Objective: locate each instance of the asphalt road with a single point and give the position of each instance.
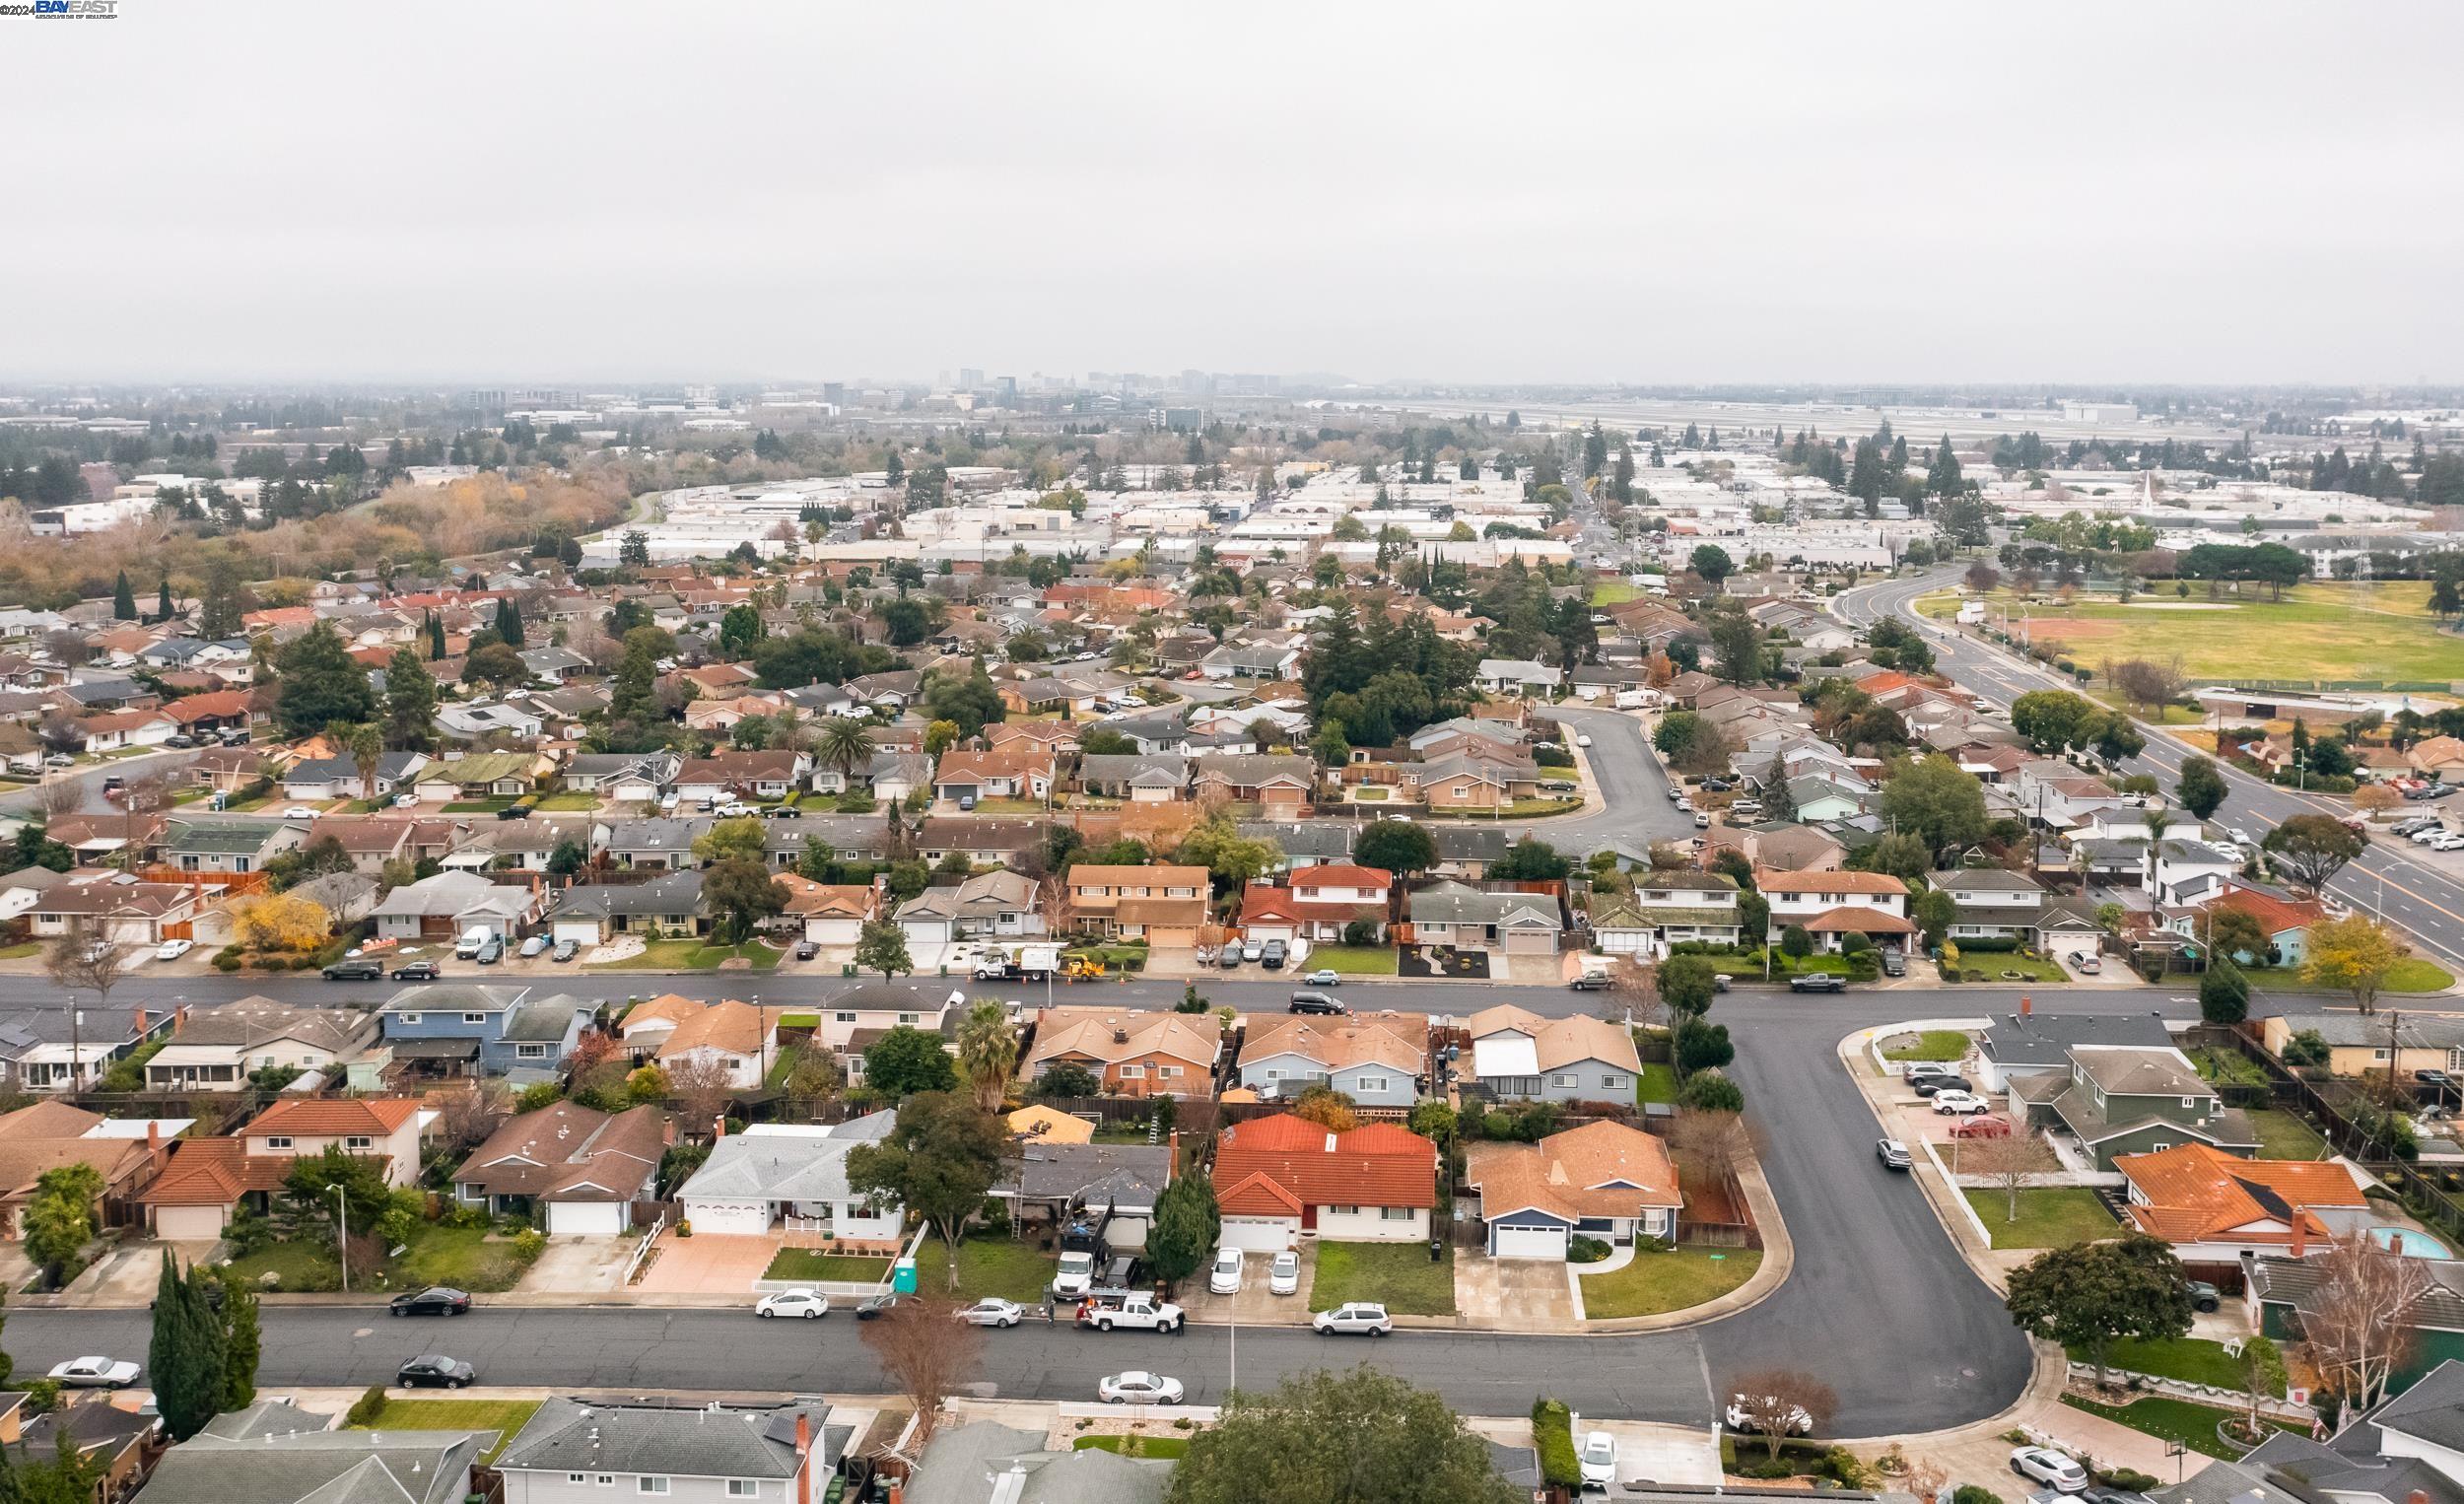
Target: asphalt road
(1633, 789)
(2392, 879)
(20, 802)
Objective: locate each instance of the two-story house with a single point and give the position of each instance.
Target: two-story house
(1665, 908)
(2128, 1099)
(496, 1028)
(1519, 1056)
(1165, 904)
(1378, 1060)
(1831, 905)
(2178, 870)
(586, 1452)
(1998, 905)
(1129, 1053)
(218, 1046)
(208, 1180)
(1321, 903)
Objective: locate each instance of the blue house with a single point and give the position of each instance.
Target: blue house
(457, 1028)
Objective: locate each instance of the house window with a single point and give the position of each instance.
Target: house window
(909, 1018)
(1133, 1073)
(1373, 1083)
(410, 1018)
(474, 1018)
(1613, 1081)
(1343, 1211)
(358, 1142)
(530, 1052)
(647, 1484)
(577, 1478)
(1394, 1213)
(743, 1488)
(844, 1018)
(1562, 1078)
(279, 1141)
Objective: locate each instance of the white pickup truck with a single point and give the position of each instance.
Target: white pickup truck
(1136, 1311)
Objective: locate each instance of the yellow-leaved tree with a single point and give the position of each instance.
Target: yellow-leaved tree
(283, 922)
(2353, 954)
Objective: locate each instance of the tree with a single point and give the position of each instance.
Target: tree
(1395, 846)
(509, 622)
(909, 1060)
(1531, 860)
(244, 1343)
(495, 663)
(2051, 719)
(84, 960)
(1326, 1107)
(1185, 1227)
(2201, 787)
(2357, 1321)
(1934, 798)
(185, 1363)
(743, 839)
(2005, 1164)
(410, 722)
(1363, 1437)
(940, 1161)
(123, 599)
(59, 1218)
(282, 924)
(1687, 984)
(634, 696)
(741, 895)
(1068, 1079)
(2224, 993)
(924, 1349)
(1711, 1091)
(633, 550)
(845, 745)
(881, 946)
(1228, 856)
(2313, 849)
(704, 1086)
(2090, 1293)
(1738, 643)
(1702, 1046)
(2353, 954)
(1712, 563)
(2233, 932)
(2376, 798)
(1900, 854)
(321, 683)
(1773, 1398)
(988, 1052)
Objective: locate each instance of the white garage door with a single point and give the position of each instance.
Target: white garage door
(1530, 942)
(176, 1224)
(747, 1219)
(579, 931)
(585, 1219)
(1528, 1242)
(1259, 1235)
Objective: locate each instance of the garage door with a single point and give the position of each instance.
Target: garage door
(1530, 942)
(196, 1224)
(748, 1218)
(579, 931)
(1259, 1235)
(585, 1219)
(1528, 1242)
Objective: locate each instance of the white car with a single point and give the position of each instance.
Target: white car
(992, 1311)
(1283, 1276)
(94, 1373)
(812, 1305)
(2447, 842)
(2048, 1466)
(1225, 1278)
(1799, 1423)
(1582, 741)
(173, 950)
(735, 809)
(2427, 834)
(1138, 1387)
(1960, 1104)
(299, 812)
(1361, 1319)
(1323, 978)
(406, 801)
(535, 945)
(1599, 1458)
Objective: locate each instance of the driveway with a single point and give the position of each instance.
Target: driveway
(1515, 1294)
(1253, 1305)
(585, 1265)
(709, 1264)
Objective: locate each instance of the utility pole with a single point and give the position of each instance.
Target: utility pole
(342, 1237)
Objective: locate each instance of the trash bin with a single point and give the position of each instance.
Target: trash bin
(902, 1276)
(1437, 1250)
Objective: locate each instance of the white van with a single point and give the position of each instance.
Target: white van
(472, 940)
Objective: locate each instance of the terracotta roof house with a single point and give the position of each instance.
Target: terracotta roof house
(1602, 1180)
(829, 914)
(763, 775)
(735, 1036)
(54, 1135)
(210, 1179)
(1321, 903)
(1280, 1177)
(1519, 1056)
(2212, 1205)
(1829, 905)
(1017, 771)
(1378, 1060)
(1132, 1054)
(1165, 904)
(573, 1169)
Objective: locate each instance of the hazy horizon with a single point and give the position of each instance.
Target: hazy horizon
(618, 193)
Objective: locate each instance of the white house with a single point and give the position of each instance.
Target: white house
(1278, 1179)
(1829, 905)
(791, 1174)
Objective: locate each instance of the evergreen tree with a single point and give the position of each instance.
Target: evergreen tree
(222, 603)
(1187, 1223)
(244, 1343)
(410, 703)
(321, 683)
(635, 695)
(186, 1360)
(436, 636)
(509, 622)
(164, 610)
(123, 599)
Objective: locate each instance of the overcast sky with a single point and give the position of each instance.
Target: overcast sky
(704, 190)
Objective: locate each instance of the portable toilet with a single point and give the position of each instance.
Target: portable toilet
(902, 1276)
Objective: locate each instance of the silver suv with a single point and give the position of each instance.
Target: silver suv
(1359, 1319)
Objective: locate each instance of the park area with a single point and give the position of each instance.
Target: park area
(2381, 630)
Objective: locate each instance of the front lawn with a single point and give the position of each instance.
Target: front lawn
(464, 1258)
(1353, 960)
(1134, 1446)
(506, 1417)
(1942, 1045)
(1750, 965)
(295, 1265)
(486, 806)
(20, 953)
(1995, 963)
(2048, 1217)
(2191, 1359)
(694, 956)
(2193, 1425)
(1657, 1083)
(1654, 1284)
(989, 1265)
(568, 799)
(1398, 1275)
(808, 1264)
(2412, 975)
(2283, 1136)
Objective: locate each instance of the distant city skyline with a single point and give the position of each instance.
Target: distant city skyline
(575, 194)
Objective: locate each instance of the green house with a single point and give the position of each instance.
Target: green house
(2132, 1100)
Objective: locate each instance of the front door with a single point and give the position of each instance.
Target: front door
(1309, 1219)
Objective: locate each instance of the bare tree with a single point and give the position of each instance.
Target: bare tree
(2357, 1319)
(467, 1117)
(926, 1351)
(1780, 1402)
(1709, 1146)
(60, 796)
(85, 960)
(1634, 994)
(146, 793)
(703, 1084)
(2005, 1163)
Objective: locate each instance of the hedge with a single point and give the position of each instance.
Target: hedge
(1552, 1436)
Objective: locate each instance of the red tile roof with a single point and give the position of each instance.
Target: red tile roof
(325, 1117)
(1274, 1166)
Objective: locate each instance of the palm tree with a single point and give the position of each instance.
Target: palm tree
(987, 1051)
(845, 744)
(366, 742)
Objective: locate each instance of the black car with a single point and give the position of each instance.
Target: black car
(1315, 1002)
(514, 812)
(806, 950)
(436, 1300)
(783, 812)
(2099, 1494)
(355, 970)
(435, 1370)
(1926, 1087)
(873, 1305)
(416, 970)
(2435, 1080)
(1817, 981)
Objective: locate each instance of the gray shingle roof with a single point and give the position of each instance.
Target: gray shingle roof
(570, 1436)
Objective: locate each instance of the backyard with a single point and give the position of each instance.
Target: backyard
(2282, 1136)
(1651, 1284)
(2317, 632)
(2048, 1218)
(1657, 1083)
(1353, 960)
(809, 1264)
(1398, 1275)
(506, 1417)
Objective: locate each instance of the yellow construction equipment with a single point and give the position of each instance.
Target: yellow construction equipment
(1082, 968)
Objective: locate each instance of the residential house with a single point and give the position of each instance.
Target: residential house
(498, 1028)
(1519, 677)
(1281, 1177)
(1519, 1056)
(988, 840)
(2214, 1208)
(116, 1444)
(1129, 1053)
(111, 905)
(1056, 1181)
(2118, 1099)
(623, 777)
(1995, 905)
(338, 777)
(2178, 868)
(1274, 780)
(478, 776)
(275, 1453)
(228, 844)
(218, 1046)
(2361, 1046)
(1666, 907)
(53, 1136)
(986, 1462)
(776, 1175)
(667, 904)
(2283, 1294)
(1321, 902)
(2027, 1041)
(1165, 904)
(1012, 774)
(574, 1170)
(1602, 1180)
(208, 1180)
(854, 1019)
(451, 904)
(511, 719)
(729, 1036)
(988, 905)
(1833, 904)
(1511, 921)
(585, 1450)
(1142, 778)
(829, 914)
(1378, 1060)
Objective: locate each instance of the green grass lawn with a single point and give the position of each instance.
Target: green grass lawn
(461, 1257)
(1615, 592)
(2282, 1136)
(297, 1266)
(1943, 1044)
(1993, 963)
(1372, 792)
(1653, 1285)
(1781, 965)
(1398, 1275)
(486, 806)
(2413, 974)
(2048, 1217)
(1012, 1269)
(812, 1263)
(1657, 1083)
(694, 956)
(2191, 1359)
(1352, 960)
(570, 799)
(20, 953)
(2193, 1425)
(2314, 633)
(506, 1417)
(1134, 1446)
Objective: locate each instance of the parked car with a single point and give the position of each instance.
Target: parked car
(491, 953)
(1224, 1278)
(992, 1311)
(1719, 983)
(1598, 1457)
(416, 970)
(1582, 741)
(1745, 807)
(565, 950)
(2088, 966)
(1917, 1071)
(173, 950)
(1818, 982)
(1892, 1153)
(94, 1373)
(2048, 1466)
(436, 1300)
(1702, 821)
(2103, 1496)
(806, 950)
(966, 802)
(1252, 950)
(1986, 1127)
(1590, 982)
(1795, 1421)
(1272, 957)
(514, 812)
(1927, 1086)
(1361, 1318)
(435, 1371)
(2436, 1080)
(1893, 963)
(873, 1305)
(812, 1305)
(1960, 1104)
(355, 970)
(406, 801)
(1229, 958)
(299, 812)
(1315, 1002)
(1137, 1386)
(1323, 978)
(535, 947)
(1283, 1276)
(2204, 1296)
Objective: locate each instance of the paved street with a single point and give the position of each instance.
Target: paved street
(1632, 785)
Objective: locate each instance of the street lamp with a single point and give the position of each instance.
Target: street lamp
(342, 1236)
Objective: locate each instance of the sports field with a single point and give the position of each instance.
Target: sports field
(2384, 632)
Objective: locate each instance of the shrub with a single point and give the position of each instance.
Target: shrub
(42, 1394)
(367, 1407)
(1969, 1493)
(1841, 1467)
(1855, 943)
(529, 1244)
(1583, 1249)
(225, 960)
(2128, 1478)
(1648, 1243)
(1552, 1436)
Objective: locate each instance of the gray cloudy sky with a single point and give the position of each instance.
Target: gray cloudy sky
(704, 190)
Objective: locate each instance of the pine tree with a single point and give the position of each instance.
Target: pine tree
(436, 636)
(123, 601)
(163, 608)
(186, 1360)
(509, 622)
(244, 1342)
(410, 702)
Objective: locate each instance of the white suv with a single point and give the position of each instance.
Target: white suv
(1961, 1103)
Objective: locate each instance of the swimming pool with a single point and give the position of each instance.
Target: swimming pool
(2408, 1241)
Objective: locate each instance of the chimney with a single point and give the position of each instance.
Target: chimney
(154, 1138)
(803, 1459)
(1120, 1035)
(718, 1126)
(2027, 1005)
(2301, 1233)
(142, 1021)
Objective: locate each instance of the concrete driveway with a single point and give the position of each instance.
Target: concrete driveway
(585, 1266)
(709, 1264)
(1253, 1305)
(1513, 1294)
